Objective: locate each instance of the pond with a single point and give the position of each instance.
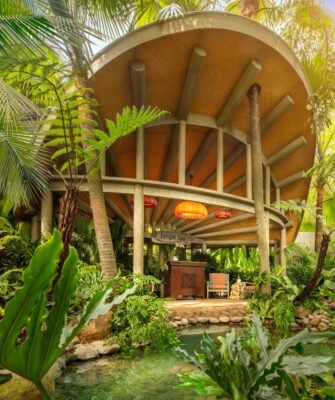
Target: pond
(153, 376)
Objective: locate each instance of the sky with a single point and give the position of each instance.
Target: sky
(330, 5)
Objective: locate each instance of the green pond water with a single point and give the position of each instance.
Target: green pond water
(152, 376)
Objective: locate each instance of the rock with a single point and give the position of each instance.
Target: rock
(85, 352)
(202, 320)
(224, 319)
(173, 324)
(301, 312)
(325, 320)
(314, 321)
(314, 329)
(177, 318)
(299, 321)
(96, 329)
(322, 327)
(236, 319)
(294, 326)
(104, 349)
(332, 306)
(306, 320)
(192, 321)
(184, 321)
(213, 320)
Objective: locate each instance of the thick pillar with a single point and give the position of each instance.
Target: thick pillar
(103, 164)
(140, 153)
(46, 214)
(249, 172)
(204, 248)
(219, 161)
(35, 230)
(138, 261)
(181, 153)
(257, 183)
(276, 260)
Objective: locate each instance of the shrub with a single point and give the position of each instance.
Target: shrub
(15, 252)
(141, 321)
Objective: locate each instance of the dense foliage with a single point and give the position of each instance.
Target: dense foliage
(243, 369)
(141, 321)
(34, 332)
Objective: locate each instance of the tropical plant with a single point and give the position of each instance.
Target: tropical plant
(15, 252)
(33, 334)
(141, 322)
(239, 371)
(10, 281)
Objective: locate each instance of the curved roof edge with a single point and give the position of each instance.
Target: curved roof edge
(200, 20)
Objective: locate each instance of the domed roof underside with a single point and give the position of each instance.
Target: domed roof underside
(199, 68)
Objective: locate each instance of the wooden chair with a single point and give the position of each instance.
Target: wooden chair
(218, 283)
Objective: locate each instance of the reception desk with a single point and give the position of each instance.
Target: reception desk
(185, 279)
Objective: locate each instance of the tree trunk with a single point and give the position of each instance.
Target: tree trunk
(68, 208)
(249, 8)
(101, 226)
(317, 274)
(319, 214)
(257, 184)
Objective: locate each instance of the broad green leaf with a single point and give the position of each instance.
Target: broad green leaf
(5, 378)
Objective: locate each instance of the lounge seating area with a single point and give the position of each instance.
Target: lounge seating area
(218, 284)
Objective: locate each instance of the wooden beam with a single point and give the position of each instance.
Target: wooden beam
(284, 104)
(265, 124)
(181, 152)
(239, 92)
(233, 220)
(191, 82)
(291, 179)
(286, 150)
(118, 211)
(137, 74)
(234, 243)
(236, 231)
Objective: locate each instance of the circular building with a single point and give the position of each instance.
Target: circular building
(199, 68)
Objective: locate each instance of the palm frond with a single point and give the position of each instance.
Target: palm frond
(22, 161)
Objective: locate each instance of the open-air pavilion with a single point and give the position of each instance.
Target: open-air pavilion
(199, 68)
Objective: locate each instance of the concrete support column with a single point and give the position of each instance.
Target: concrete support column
(249, 172)
(282, 248)
(46, 214)
(276, 260)
(219, 161)
(138, 261)
(170, 253)
(35, 232)
(204, 248)
(181, 153)
(140, 153)
(267, 186)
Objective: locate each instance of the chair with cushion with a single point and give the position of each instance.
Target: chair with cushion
(218, 283)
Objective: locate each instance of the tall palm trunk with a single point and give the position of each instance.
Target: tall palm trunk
(317, 274)
(320, 187)
(257, 184)
(249, 8)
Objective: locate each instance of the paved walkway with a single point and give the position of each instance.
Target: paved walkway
(203, 303)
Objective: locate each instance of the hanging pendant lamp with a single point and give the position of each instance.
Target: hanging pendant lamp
(222, 213)
(149, 201)
(190, 210)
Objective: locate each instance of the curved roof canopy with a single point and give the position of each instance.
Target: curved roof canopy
(199, 68)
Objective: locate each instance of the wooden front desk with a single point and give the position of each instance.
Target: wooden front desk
(185, 279)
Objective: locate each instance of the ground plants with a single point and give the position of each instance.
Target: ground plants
(34, 331)
(240, 371)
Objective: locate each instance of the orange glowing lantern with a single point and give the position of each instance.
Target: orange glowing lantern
(149, 201)
(222, 213)
(190, 210)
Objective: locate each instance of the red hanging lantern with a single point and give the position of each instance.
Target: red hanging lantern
(222, 213)
(190, 210)
(149, 201)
